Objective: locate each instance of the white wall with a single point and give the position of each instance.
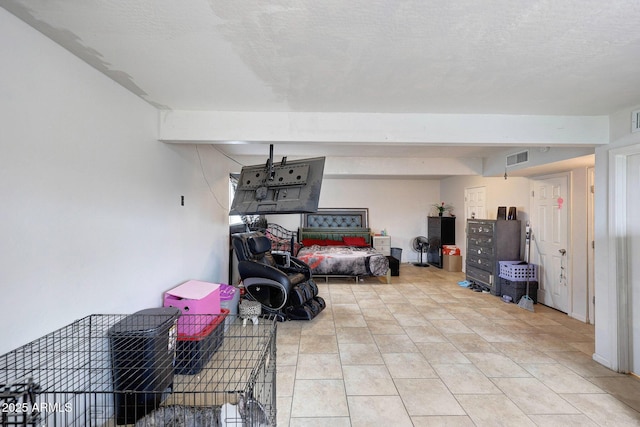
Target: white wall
(90, 217)
(400, 206)
(500, 192)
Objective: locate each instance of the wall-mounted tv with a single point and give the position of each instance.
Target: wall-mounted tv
(286, 187)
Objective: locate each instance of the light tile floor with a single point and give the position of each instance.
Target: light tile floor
(423, 351)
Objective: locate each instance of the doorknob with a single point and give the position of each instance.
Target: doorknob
(562, 251)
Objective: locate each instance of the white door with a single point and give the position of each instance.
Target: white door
(549, 228)
(633, 235)
(475, 202)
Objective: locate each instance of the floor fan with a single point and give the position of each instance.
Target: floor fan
(420, 244)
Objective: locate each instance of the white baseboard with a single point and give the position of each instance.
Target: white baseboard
(605, 362)
(580, 317)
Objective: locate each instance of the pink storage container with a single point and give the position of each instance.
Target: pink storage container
(193, 297)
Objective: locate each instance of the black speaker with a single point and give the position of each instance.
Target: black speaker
(502, 212)
(512, 213)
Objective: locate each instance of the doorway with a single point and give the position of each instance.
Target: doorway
(633, 249)
(475, 199)
(624, 243)
(550, 236)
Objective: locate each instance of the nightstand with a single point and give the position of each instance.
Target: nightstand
(382, 244)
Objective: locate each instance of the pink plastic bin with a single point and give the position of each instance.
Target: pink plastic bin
(193, 297)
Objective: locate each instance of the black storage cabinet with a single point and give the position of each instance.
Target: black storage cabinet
(441, 230)
(142, 347)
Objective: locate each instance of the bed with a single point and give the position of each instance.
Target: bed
(337, 243)
(282, 240)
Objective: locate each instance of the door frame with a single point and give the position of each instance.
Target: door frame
(619, 257)
(568, 203)
(591, 238)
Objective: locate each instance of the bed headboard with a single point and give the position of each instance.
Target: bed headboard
(337, 218)
(334, 224)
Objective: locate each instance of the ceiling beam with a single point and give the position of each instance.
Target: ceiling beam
(375, 128)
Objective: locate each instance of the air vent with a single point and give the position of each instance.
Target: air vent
(518, 158)
(635, 121)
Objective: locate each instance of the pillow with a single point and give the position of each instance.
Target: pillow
(355, 241)
(334, 242)
(311, 242)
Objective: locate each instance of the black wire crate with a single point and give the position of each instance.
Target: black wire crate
(151, 368)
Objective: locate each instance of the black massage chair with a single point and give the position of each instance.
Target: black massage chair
(281, 283)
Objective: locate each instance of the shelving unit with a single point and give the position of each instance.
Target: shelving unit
(441, 230)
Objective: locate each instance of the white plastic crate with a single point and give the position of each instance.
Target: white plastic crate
(518, 271)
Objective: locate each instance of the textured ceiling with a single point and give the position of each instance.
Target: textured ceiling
(545, 57)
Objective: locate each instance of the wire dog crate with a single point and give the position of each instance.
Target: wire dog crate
(124, 370)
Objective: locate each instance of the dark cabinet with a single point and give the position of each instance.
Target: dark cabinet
(441, 230)
(488, 242)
